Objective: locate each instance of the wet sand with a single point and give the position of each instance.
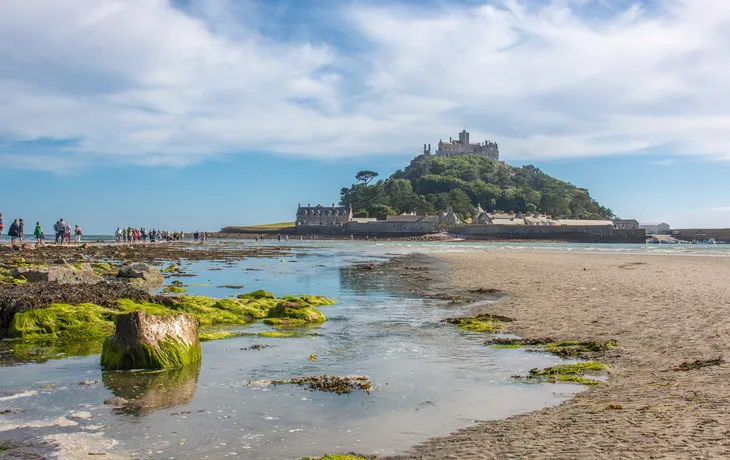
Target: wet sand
(662, 310)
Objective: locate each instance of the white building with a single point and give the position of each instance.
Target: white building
(655, 228)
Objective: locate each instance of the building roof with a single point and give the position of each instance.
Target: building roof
(585, 223)
(412, 218)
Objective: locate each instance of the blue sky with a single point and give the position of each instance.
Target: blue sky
(204, 113)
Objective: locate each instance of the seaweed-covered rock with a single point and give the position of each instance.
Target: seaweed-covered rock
(141, 274)
(145, 341)
(20, 298)
(60, 273)
(260, 294)
(287, 313)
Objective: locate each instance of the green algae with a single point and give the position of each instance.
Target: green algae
(169, 353)
(277, 335)
(566, 349)
(82, 322)
(174, 289)
(68, 330)
(217, 335)
(260, 294)
(570, 373)
(172, 268)
(481, 323)
(287, 313)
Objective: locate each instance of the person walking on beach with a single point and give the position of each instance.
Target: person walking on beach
(38, 233)
(118, 234)
(21, 231)
(60, 229)
(14, 232)
(67, 233)
(78, 233)
(2, 227)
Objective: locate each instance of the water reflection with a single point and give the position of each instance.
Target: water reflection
(144, 392)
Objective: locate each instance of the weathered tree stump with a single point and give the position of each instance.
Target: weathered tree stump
(144, 341)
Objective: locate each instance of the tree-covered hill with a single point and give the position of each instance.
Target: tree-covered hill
(430, 184)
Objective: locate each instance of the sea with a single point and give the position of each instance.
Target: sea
(429, 378)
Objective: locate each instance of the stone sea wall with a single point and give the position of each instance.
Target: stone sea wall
(383, 229)
(577, 234)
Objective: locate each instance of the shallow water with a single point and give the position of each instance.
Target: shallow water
(432, 378)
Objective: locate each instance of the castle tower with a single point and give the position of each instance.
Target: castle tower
(464, 138)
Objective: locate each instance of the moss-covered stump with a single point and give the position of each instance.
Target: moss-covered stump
(288, 313)
(145, 341)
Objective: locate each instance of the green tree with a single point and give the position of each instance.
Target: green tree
(366, 176)
(381, 211)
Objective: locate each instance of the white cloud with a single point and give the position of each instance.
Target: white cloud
(143, 82)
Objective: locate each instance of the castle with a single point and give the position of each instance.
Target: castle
(455, 148)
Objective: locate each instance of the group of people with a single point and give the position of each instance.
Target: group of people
(142, 235)
(63, 232)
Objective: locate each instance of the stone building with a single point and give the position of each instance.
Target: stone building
(454, 148)
(323, 216)
(625, 223)
(449, 217)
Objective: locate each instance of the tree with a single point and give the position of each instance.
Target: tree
(381, 211)
(366, 176)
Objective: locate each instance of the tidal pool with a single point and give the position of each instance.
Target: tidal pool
(431, 378)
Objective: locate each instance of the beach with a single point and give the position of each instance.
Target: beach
(662, 310)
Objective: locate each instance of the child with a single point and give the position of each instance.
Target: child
(38, 232)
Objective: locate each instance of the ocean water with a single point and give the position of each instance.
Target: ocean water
(431, 378)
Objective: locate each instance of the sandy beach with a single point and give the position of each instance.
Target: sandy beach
(662, 310)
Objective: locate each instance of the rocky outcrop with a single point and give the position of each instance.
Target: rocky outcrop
(61, 273)
(18, 298)
(145, 341)
(142, 275)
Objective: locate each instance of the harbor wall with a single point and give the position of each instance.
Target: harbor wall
(386, 229)
(571, 234)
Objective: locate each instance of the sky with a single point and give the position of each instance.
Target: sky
(195, 114)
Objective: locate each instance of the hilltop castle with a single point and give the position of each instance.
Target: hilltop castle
(455, 148)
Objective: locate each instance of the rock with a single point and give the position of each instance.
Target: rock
(293, 314)
(60, 261)
(144, 341)
(115, 401)
(17, 272)
(64, 274)
(142, 274)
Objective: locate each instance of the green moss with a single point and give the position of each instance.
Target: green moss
(260, 294)
(309, 300)
(480, 323)
(287, 313)
(60, 329)
(217, 335)
(172, 268)
(567, 349)
(168, 353)
(277, 335)
(174, 289)
(573, 373)
(83, 322)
